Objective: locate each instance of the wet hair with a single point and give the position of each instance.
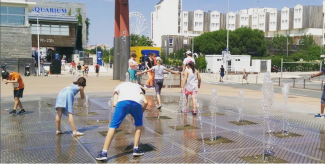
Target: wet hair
(191, 64)
(143, 91)
(221, 66)
(134, 55)
(150, 54)
(189, 54)
(5, 75)
(80, 82)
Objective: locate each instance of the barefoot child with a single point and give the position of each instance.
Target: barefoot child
(129, 99)
(64, 104)
(18, 85)
(159, 77)
(191, 83)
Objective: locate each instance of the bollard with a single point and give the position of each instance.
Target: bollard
(304, 83)
(256, 79)
(279, 82)
(294, 81)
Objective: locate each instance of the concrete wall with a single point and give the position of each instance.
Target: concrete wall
(18, 64)
(15, 42)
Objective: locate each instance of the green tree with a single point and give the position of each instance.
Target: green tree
(201, 63)
(279, 42)
(137, 40)
(241, 41)
(87, 22)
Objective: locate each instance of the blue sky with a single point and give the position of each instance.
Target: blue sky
(101, 12)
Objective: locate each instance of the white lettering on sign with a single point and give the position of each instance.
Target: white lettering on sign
(49, 11)
(46, 40)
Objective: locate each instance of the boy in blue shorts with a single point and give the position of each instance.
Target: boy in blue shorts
(321, 114)
(129, 98)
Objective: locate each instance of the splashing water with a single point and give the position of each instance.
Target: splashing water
(86, 103)
(127, 77)
(285, 123)
(240, 107)
(267, 102)
(213, 108)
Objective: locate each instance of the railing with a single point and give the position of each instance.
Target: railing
(302, 83)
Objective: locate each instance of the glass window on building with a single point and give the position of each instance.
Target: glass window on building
(171, 41)
(46, 29)
(14, 16)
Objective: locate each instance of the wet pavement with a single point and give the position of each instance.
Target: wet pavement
(31, 138)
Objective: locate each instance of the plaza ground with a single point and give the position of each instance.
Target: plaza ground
(31, 137)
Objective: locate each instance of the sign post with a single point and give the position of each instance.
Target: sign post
(99, 58)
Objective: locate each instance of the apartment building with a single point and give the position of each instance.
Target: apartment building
(166, 20)
(295, 22)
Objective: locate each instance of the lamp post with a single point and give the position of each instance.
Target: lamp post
(38, 52)
(227, 41)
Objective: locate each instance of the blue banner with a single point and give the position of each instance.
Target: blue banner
(99, 58)
(56, 56)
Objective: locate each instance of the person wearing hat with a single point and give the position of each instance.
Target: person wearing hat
(187, 60)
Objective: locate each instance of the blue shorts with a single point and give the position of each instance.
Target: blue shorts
(127, 107)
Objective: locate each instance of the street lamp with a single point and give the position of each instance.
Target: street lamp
(227, 41)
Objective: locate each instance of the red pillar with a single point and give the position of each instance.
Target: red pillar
(121, 40)
(124, 18)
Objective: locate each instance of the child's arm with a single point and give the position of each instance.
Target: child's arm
(171, 71)
(145, 102)
(115, 98)
(184, 80)
(144, 72)
(317, 74)
(10, 81)
(199, 78)
(82, 93)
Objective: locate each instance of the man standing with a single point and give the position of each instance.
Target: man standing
(18, 85)
(79, 68)
(97, 67)
(129, 99)
(187, 60)
(321, 114)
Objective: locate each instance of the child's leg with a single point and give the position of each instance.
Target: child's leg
(322, 108)
(20, 105)
(136, 113)
(158, 99)
(16, 103)
(109, 138)
(71, 121)
(120, 112)
(137, 136)
(194, 101)
(186, 99)
(58, 119)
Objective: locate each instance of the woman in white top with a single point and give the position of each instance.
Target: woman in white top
(133, 66)
(159, 77)
(191, 84)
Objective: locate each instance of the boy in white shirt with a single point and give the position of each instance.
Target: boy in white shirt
(129, 98)
(187, 60)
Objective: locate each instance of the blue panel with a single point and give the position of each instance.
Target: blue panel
(99, 58)
(146, 52)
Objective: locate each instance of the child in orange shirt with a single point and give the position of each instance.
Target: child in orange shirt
(18, 85)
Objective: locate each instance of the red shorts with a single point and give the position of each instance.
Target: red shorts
(189, 93)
